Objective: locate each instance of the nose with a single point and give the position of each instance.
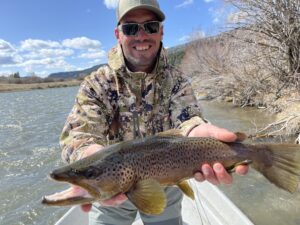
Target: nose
(141, 34)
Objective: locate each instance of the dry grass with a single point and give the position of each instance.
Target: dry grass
(26, 87)
(225, 69)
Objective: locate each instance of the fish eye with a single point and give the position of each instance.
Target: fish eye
(89, 173)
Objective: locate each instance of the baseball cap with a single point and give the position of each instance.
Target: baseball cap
(125, 6)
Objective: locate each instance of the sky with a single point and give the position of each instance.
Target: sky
(45, 36)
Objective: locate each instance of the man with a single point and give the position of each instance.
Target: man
(137, 94)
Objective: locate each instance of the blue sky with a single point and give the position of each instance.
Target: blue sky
(46, 36)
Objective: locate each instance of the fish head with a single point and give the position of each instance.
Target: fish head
(96, 179)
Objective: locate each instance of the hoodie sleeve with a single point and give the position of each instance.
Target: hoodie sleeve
(185, 110)
(88, 122)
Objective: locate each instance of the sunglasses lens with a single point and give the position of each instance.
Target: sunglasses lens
(152, 27)
(130, 29)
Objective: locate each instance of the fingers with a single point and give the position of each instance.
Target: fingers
(199, 177)
(208, 130)
(222, 134)
(209, 174)
(242, 170)
(86, 208)
(91, 150)
(221, 174)
(115, 201)
(215, 175)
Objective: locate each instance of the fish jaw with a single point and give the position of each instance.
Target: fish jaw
(71, 196)
(73, 177)
(99, 189)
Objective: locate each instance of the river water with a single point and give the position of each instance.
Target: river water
(30, 125)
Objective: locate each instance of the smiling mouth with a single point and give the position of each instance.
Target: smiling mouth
(142, 48)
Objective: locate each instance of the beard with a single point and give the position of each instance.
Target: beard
(137, 60)
(141, 61)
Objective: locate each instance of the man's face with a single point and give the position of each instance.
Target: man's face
(140, 50)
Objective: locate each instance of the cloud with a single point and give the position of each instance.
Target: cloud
(6, 46)
(39, 56)
(111, 4)
(184, 38)
(8, 54)
(208, 1)
(193, 36)
(81, 43)
(6, 73)
(217, 14)
(36, 44)
(185, 3)
(93, 54)
(42, 53)
(46, 63)
(9, 59)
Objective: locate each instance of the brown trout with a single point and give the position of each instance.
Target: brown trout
(141, 168)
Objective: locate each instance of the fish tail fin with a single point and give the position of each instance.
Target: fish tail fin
(280, 164)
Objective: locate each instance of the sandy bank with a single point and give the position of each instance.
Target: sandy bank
(26, 87)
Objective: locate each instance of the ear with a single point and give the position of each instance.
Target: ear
(162, 31)
(117, 34)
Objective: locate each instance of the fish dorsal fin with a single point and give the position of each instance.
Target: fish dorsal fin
(186, 189)
(170, 133)
(148, 196)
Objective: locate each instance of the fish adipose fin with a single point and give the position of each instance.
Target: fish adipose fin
(232, 168)
(281, 165)
(240, 136)
(148, 196)
(186, 189)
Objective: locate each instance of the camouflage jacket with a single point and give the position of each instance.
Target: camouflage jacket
(114, 104)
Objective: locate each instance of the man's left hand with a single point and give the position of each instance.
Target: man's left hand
(216, 174)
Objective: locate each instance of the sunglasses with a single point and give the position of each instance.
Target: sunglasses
(131, 29)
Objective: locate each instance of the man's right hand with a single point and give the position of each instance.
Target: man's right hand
(115, 201)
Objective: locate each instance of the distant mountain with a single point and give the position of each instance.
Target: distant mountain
(75, 74)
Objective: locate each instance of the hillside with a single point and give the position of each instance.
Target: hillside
(75, 74)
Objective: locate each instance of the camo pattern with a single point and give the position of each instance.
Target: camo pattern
(114, 104)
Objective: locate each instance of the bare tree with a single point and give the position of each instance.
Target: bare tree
(275, 25)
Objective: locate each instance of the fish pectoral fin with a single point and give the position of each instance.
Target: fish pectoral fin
(171, 133)
(148, 196)
(186, 189)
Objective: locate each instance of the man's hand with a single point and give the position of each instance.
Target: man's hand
(216, 174)
(116, 200)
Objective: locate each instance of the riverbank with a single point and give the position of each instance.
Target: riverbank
(284, 110)
(26, 87)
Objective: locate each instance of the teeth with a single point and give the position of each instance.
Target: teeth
(141, 48)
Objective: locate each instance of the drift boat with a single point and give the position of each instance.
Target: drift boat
(210, 207)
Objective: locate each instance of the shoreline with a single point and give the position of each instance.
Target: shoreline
(4, 88)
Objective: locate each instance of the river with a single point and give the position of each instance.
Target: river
(30, 126)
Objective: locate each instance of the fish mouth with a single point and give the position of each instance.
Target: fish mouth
(89, 186)
(71, 196)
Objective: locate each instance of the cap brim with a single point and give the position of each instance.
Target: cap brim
(160, 15)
